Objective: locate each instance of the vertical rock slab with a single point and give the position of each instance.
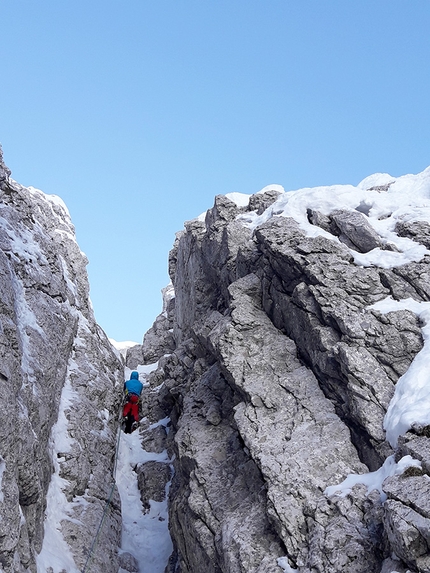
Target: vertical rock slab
(255, 423)
(58, 388)
(317, 295)
(279, 353)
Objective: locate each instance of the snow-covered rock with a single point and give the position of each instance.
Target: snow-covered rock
(283, 380)
(286, 409)
(59, 391)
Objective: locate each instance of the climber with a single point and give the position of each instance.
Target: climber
(133, 389)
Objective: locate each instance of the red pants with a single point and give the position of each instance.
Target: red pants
(132, 407)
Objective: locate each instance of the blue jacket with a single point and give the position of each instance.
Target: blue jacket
(133, 386)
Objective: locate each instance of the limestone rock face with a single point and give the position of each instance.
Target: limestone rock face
(59, 392)
(407, 510)
(158, 340)
(277, 387)
(270, 372)
(318, 297)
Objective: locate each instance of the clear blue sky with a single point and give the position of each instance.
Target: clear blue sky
(137, 113)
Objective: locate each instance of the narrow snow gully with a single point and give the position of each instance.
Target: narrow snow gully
(143, 478)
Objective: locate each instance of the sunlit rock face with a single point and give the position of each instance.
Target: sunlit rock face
(60, 393)
(272, 372)
(281, 378)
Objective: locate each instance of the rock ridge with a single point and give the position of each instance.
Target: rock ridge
(277, 387)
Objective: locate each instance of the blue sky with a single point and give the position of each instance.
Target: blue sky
(138, 113)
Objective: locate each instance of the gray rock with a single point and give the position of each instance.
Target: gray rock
(159, 340)
(345, 534)
(407, 510)
(261, 201)
(173, 254)
(381, 188)
(417, 230)
(410, 490)
(408, 532)
(324, 221)
(351, 227)
(218, 501)
(152, 479)
(416, 446)
(4, 170)
(154, 439)
(134, 356)
(280, 367)
(393, 566)
(128, 563)
(57, 365)
(315, 295)
(355, 231)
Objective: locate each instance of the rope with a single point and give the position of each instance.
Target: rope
(107, 505)
(95, 541)
(116, 454)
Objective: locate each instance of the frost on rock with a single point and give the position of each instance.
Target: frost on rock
(285, 376)
(285, 417)
(57, 372)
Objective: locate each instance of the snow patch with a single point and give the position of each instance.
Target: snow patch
(121, 348)
(23, 243)
(283, 564)
(26, 319)
(144, 370)
(163, 422)
(62, 443)
(411, 401)
(55, 552)
(103, 416)
(241, 199)
(52, 200)
(373, 480)
(407, 198)
(272, 187)
(71, 285)
(125, 345)
(376, 180)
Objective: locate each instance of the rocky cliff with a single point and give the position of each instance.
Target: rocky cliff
(60, 397)
(281, 375)
(287, 399)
